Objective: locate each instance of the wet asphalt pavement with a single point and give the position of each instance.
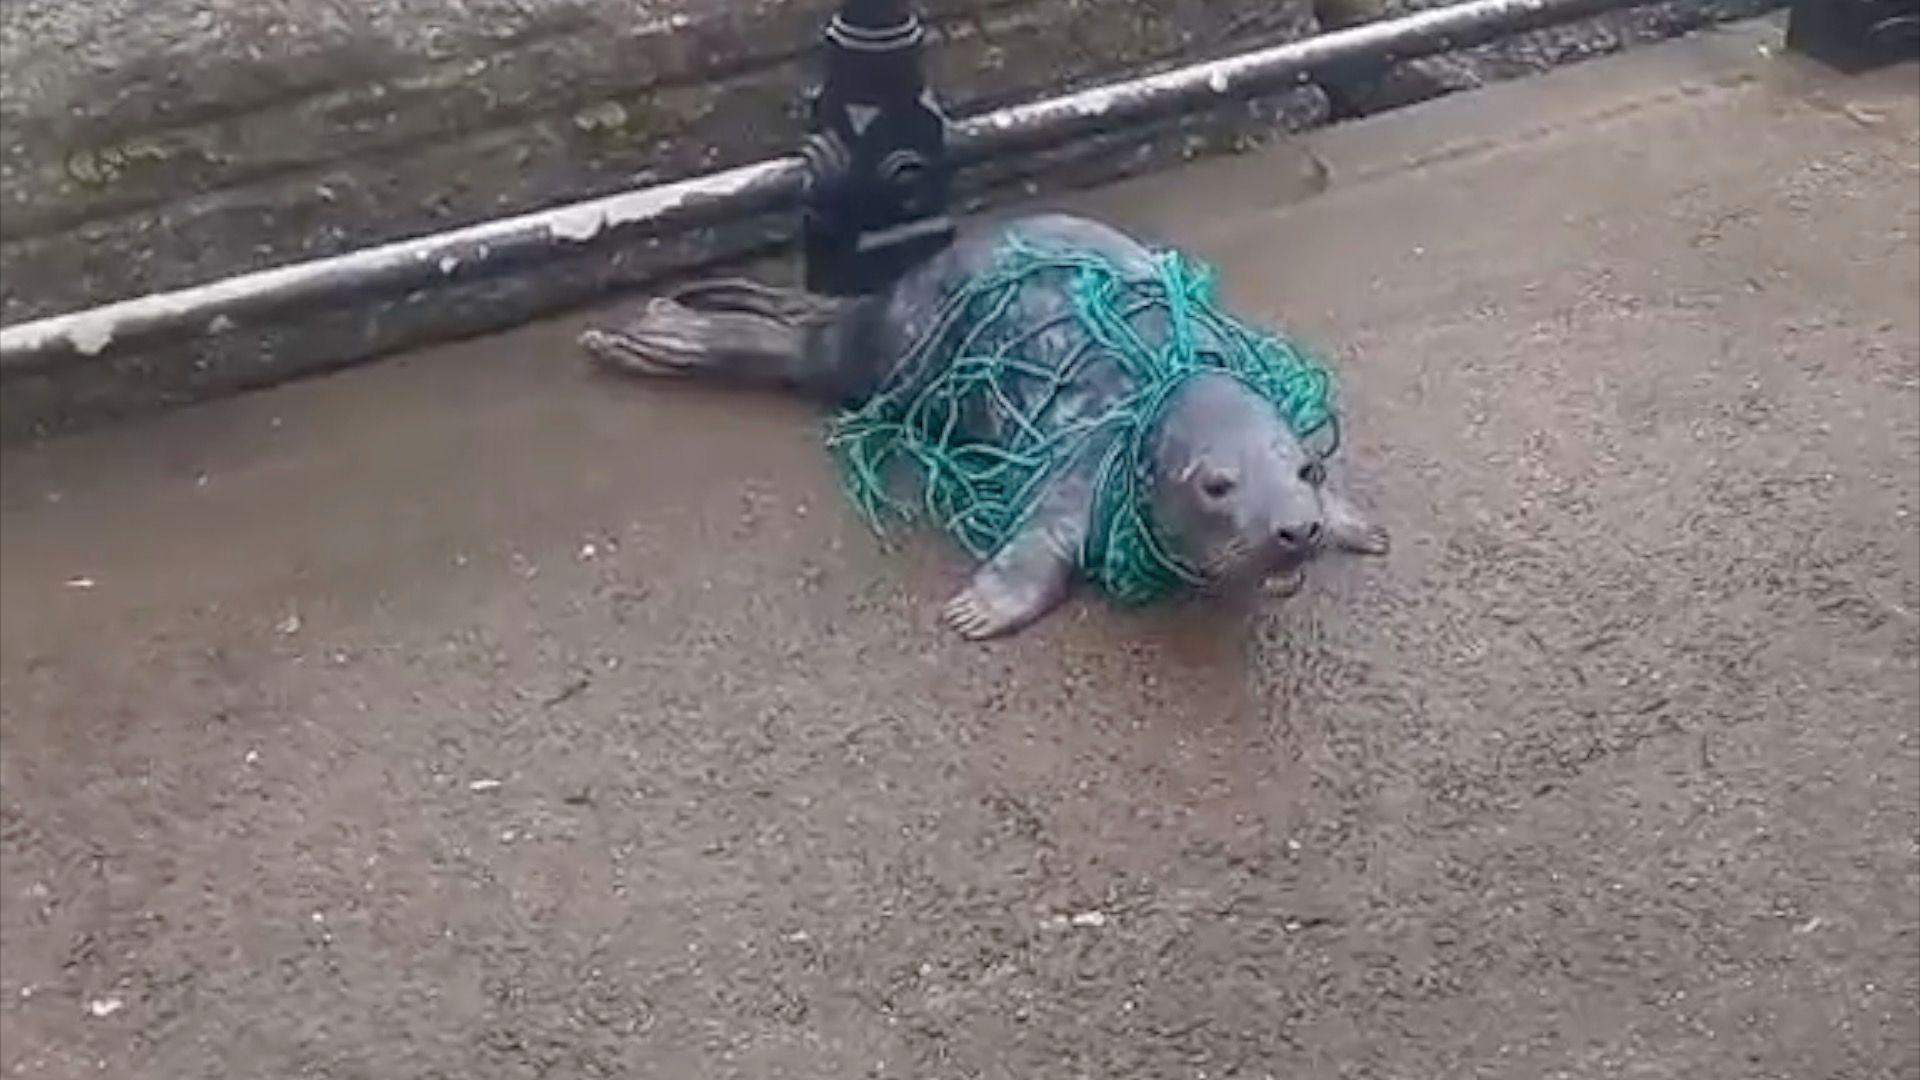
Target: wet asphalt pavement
(468, 715)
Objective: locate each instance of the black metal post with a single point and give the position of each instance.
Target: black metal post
(1855, 35)
(877, 171)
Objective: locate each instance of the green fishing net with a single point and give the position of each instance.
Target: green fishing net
(1159, 330)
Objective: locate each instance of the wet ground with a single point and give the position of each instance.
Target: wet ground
(471, 716)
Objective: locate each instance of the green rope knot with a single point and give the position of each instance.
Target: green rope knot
(974, 367)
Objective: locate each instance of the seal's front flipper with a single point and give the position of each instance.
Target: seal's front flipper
(1350, 530)
(999, 601)
(1027, 579)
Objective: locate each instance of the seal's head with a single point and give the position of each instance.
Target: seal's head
(1235, 493)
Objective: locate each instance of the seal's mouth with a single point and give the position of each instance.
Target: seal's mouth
(1274, 568)
(1282, 584)
(1271, 582)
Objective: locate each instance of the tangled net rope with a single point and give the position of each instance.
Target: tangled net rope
(983, 492)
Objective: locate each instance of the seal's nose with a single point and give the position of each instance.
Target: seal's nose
(1300, 537)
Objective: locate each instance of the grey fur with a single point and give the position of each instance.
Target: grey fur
(1234, 491)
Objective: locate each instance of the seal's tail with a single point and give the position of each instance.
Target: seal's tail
(727, 329)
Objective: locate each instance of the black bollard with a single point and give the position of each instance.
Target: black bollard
(1855, 35)
(877, 171)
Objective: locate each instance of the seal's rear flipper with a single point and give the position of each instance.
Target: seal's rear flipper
(670, 338)
(753, 298)
(742, 331)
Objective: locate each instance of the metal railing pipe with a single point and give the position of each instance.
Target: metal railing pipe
(491, 247)
(1197, 86)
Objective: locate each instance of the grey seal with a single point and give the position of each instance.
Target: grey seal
(1229, 489)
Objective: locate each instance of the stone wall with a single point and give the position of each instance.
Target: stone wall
(153, 144)
(283, 131)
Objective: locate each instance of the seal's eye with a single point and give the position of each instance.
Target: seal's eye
(1217, 486)
(1313, 472)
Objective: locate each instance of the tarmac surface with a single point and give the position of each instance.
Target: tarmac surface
(468, 715)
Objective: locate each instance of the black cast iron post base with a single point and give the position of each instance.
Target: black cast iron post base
(1855, 35)
(878, 177)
